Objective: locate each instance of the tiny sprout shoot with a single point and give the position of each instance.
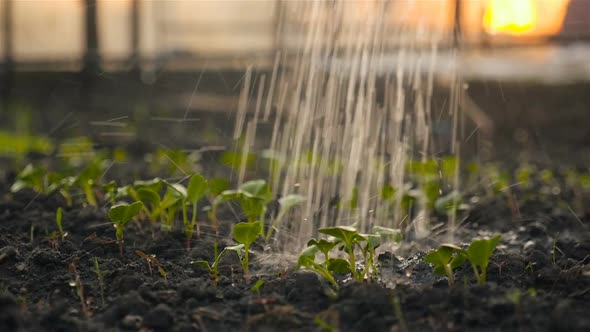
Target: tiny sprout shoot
(152, 262)
(213, 268)
(253, 196)
(286, 204)
(349, 237)
(445, 259)
(120, 215)
(170, 204)
(449, 257)
(246, 233)
(479, 253)
(58, 221)
(307, 260)
(196, 190)
(100, 278)
(256, 288)
(325, 246)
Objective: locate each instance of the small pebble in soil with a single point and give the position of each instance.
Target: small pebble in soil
(161, 318)
(131, 322)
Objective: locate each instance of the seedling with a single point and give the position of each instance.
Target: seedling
(120, 215)
(100, 278)
(479, 253)
(256, 288)
(286, 204)
(348, 237)
(445, 259)
(58, 221)
(245, 234)
(77, 283)
(449, 257)
(152, 262)
(307, 260)
(325, 246)
(196, 190)
(213, 268)
(30, 177)
(253, 196)
(169, 205)
(88, 178)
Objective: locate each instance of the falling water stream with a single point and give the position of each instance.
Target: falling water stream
(342, 127)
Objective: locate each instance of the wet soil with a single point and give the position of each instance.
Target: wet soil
(538, 278)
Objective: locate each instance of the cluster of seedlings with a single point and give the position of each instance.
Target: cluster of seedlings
(344, 250)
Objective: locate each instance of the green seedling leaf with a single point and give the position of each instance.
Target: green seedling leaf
(388, 234)
(197, 188)
(339, 265)
(246, 233)
(286, 203)
(445, 259)
(123, 213)
(256, 288)
(58, 221)
(181, 192)
(154, 185)
(307, 256)
(479, 253)
(204, 264)
(218, 185)
(120, 215)
(257, 188)
(171, 198)
(149, 198)
(346, 234)
(307, 260)
(325, 246)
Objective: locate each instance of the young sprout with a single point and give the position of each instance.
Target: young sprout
(286, 204)
(58, 221)
(30, 177)
(445, 259)
(479, 253)
(169, 205)
(196, 190)
(110, 190)
(88, 178)
(246, 233)
(349, 238)
(256, 288)
(100, 278)
(253, 196)
(213, 268)
(449, 257)
(77, 283)
(120, 215)
(307, 260)
(151, 262)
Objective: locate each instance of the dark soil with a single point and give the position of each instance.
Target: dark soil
(538, 279)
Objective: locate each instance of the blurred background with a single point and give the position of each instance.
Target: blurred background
(175, 67)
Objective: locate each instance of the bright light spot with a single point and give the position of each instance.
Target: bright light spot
(510, 16)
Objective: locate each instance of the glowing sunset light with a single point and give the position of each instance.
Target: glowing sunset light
(510, 16)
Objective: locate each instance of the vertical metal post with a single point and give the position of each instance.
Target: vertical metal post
(7, 43)
(91, 63)
(457, 28)
(135, 21)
